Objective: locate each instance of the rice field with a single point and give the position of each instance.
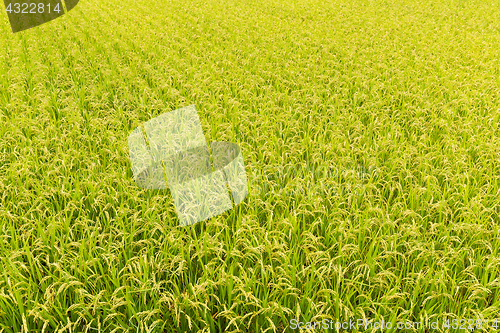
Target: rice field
(371, 140)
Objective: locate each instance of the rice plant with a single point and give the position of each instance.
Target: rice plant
(370, 134)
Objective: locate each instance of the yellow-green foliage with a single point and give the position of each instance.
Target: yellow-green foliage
(409, 89)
